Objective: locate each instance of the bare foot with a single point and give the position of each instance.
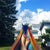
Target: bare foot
(27, 42)
(24, 42)
(23, 39)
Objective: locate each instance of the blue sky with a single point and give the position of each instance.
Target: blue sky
(32, 12)
(32, 5)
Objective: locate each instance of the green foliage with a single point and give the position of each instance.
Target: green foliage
(30, 27)
(47, 30)
(7, 19)
(25, 24)
(46, 37)
(36, 39)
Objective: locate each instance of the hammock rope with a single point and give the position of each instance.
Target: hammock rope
(33, 45)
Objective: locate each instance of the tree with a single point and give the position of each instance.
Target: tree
(7, 19)
(46, 36)
(30, 27)
(48, 30)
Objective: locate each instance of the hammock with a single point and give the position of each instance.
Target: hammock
(33, 44)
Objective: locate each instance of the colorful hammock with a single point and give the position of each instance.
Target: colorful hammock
(33, 44)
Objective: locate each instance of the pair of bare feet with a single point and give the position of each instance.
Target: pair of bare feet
(24, 42)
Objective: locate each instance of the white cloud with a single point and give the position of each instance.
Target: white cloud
(30, 17)
(23, 0)
(18, 4)
(39, 10)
